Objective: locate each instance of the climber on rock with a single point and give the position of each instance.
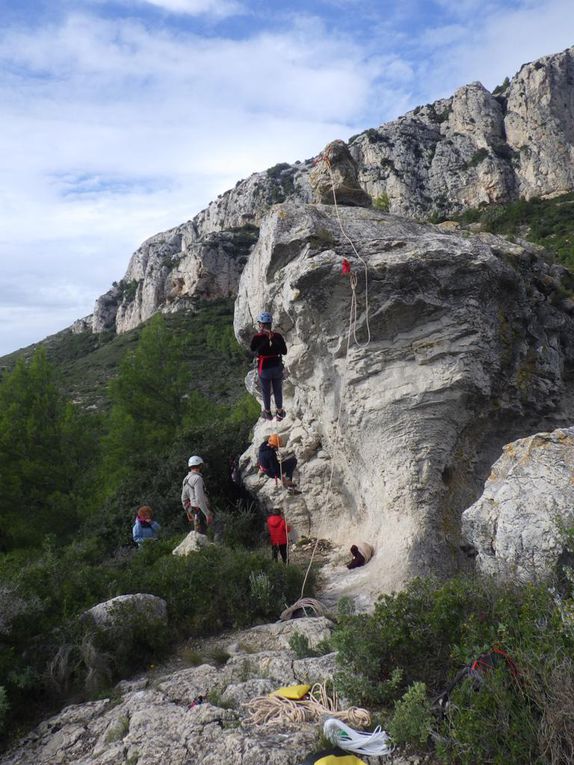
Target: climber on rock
(193, 496)
(270, 348)
(273, 466)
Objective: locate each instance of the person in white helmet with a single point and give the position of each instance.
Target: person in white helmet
(193, 497)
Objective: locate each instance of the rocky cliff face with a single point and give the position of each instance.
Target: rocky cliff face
(476, 147)
(471, 149)
(471, 343)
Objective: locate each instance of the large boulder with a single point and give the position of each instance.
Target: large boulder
(520, 526)
(334, 179)
(127, 610)
(466, 347)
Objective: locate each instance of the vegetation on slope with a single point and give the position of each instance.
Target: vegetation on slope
(72, 477)
(401, 658)
(547, 222)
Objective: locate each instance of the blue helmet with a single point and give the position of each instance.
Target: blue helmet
(265, 318)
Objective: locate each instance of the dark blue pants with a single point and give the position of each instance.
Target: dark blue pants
(272, 377)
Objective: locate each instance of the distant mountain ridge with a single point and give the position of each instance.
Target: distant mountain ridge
(474, 148)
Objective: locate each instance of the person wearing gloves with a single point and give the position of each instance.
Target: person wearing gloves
(193, 497)
(144, 527)
(270, 348)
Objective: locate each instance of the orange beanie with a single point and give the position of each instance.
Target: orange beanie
(274, 440)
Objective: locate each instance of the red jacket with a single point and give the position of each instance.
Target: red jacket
(277, 529)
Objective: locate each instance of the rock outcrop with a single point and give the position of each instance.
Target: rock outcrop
(152, 719)
(519, 526)
(334, 179)
(471, 149)
(125, 611)
(477, 147)
(468, 345)
(173, 270)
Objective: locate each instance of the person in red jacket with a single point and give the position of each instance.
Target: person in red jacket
(278, 530)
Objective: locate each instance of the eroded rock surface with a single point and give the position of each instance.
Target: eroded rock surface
(519, 525)
(470, 338)
(152, 719)
(474, 148)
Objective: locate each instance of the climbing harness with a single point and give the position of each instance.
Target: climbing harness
(375, 744)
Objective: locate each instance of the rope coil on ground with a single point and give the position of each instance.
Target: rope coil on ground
(302, 604)
(373, 744)
(277, 711)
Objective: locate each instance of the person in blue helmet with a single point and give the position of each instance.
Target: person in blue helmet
(270, 348)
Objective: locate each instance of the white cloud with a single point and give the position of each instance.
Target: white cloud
(215, 8)
(113, 132)
(497, 41)
(114, 129)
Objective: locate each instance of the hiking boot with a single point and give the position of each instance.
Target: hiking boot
(290, 485)
(280, 415)
(266, 414)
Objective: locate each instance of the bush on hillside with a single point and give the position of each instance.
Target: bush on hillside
(426, 633)
(48, 649)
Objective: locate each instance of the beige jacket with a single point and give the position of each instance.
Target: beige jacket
(193, 493)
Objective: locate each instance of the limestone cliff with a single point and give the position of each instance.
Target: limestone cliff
(471, 342)
(474, 148)
(520, 525)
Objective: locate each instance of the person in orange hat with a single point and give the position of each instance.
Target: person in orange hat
(269, 461)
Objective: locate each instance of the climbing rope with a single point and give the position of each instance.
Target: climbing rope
(353, 277)
(277, 711)
(352, 331)
(373, 744)
(301, 605)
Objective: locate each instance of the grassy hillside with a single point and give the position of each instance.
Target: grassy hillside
(86, 362)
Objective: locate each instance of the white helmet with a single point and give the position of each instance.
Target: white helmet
(195, 461)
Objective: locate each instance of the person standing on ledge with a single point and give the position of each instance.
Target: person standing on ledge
(270, 348)
(193, 497)
(278, 532)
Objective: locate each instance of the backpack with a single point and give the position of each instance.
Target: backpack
(475, 671)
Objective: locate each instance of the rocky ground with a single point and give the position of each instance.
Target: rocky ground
(153, 718)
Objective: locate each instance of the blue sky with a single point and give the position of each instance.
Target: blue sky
(120, 119)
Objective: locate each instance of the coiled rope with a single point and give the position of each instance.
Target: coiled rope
(277, 711)
(373, 744)
(302, 604)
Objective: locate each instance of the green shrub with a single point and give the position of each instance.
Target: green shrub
(497, 724)
(428, 632)
(412, 719)
(382, 202)
(49, 651)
